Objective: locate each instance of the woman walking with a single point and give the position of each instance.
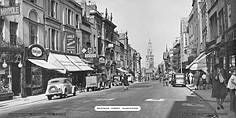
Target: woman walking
(219, 90)
(232, 87)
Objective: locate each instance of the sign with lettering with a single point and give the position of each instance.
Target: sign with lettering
(90, 55)
(71, 43)
(10, 10)
(36, 51)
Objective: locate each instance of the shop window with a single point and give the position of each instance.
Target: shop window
(4, 80)
(13, 29)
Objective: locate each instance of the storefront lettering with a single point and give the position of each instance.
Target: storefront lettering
(36, 51)
(15, 10)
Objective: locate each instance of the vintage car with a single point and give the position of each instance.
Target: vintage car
(179, 80)
(60, 87)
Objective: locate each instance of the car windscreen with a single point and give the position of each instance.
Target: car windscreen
(54, 81)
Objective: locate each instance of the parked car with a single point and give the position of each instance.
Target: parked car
(179, 80)
(60, 87)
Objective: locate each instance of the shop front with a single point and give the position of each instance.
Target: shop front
(73, 66)
(37, 70)
(10, 72)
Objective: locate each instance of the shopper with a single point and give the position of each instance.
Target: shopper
(219, 90)
(196, 79)
(190, 75)
(204, 80)
(232, 87)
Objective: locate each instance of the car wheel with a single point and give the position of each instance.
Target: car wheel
(49, 97)
(65, 95)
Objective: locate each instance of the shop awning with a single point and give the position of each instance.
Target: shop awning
(79, 63)
(122, 70)
(45, 64)
(199, 63)
(62, 61)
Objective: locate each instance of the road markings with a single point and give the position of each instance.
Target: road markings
(193, 105)
(155, 100)
(105, 99)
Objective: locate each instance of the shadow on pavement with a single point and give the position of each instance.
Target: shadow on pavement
(193, 107)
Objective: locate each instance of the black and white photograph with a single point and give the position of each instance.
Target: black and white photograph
(117, 58)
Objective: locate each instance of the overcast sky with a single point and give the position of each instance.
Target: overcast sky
(157, 20)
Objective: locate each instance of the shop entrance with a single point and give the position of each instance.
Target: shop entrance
(16, 79)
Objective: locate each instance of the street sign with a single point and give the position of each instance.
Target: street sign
(90, 55)
(84, 50)
(90, 50)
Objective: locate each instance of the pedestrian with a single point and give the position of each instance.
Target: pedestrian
(196, 79)
(200, 81)
(190, 75)
(166, 79)
(204, 81)
(219, 90)
(232, 87)
(125, 82)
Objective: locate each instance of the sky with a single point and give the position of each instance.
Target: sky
(154, 20)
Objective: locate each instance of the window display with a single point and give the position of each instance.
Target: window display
(36, 80)
(4, 81)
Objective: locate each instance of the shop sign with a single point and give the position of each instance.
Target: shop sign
(36, 50)
(102, 60)
(10, 10)
(70, 43)
(90, 55)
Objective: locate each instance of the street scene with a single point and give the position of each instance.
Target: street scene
(117, 59)
(183, 105)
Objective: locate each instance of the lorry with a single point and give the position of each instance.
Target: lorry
(92, 82)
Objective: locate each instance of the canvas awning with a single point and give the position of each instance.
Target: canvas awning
(122, 70)
(79, 63)
(62, 61)
(45, 64)
(199, 63)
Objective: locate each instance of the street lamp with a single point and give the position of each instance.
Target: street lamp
(4, 65)
(20, 65)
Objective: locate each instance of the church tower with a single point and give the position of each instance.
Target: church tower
(150, 56)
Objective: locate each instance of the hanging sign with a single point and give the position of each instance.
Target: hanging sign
(36, 51)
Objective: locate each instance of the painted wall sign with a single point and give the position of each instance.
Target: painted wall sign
(10, 10)
(70, 43)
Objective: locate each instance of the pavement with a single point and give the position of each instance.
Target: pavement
(205, 95)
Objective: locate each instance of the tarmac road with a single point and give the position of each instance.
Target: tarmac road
(141, 100)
